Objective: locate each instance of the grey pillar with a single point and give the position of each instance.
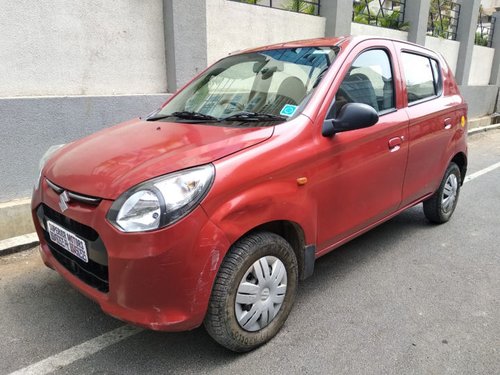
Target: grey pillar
(495, 70)
(417, 14)
(185, 26)
(338, 14)
(467, 25)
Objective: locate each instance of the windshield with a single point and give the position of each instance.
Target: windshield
(264, 86)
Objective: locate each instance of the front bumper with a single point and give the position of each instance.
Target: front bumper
(160, 280)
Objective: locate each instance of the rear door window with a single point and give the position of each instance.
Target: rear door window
(422, 77)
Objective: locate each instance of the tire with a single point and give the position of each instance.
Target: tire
(439, 208)
(240, 316)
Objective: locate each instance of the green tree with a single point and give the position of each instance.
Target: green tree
(439, 18)
(388, 18)
(360, 11)
(391, 21)
(481, 40)
(300, 6)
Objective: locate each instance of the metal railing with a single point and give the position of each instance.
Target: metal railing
(298, 6)
(383, 13)
(485, 31)
(443, 20)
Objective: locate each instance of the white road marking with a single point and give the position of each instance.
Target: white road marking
(481, 172)
(77, 352)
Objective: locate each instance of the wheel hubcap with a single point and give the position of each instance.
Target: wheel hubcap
(449, 193)
(261, 293)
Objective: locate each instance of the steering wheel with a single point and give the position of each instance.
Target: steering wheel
(237, 105)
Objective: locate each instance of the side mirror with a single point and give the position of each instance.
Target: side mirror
(351, 116)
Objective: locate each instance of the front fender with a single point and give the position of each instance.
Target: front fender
(265, 202)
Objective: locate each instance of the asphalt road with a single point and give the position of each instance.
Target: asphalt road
(406, 298)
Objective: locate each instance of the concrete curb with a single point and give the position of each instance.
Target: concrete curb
(19, 243)
(483, 129)
(22, 214)
(15, 218)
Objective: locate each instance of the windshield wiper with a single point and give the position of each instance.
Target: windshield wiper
(253, 116)
(185, 115)
(241, 116)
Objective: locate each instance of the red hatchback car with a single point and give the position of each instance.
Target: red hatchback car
(211, 209)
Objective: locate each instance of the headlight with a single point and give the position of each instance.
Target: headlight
(44, 160)
(161, 201)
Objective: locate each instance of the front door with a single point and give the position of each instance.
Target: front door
(361, 172)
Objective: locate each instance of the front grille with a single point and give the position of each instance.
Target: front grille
(93, 273)
(87, 233)
(90, 273)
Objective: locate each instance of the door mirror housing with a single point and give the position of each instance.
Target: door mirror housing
(352, 116)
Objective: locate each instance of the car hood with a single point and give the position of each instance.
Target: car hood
(113, 160)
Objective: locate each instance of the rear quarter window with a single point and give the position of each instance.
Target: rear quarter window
(423, 77)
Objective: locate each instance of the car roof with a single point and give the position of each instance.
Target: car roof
(317, 42)
(326, 42)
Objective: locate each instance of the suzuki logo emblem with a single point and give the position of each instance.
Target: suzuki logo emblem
(63, 201)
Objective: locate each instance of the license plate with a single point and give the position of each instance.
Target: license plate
(68, 241)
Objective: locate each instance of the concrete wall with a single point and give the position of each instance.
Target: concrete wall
(185, 25)
(233, 26)
(448, 48)
(481, 99)
(63, 63)
(85, 47)
(480, 70)
(360, 29)
(70, 68)
(34, 124)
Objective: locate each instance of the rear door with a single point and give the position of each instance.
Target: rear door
(432, 119)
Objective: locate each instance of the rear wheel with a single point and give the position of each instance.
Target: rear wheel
(253, 292)
(439, 208)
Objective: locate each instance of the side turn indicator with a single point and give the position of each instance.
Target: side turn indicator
(301, 181)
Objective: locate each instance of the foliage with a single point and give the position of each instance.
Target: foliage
(388, 18)
(391, 21)
(440, 26)
(482, 37)
(481, 40)
(360, 14)
(300, 6)
(445, 4)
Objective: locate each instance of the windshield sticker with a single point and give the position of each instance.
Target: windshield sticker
(288, 110)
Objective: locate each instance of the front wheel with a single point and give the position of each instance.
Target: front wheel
(439, 207)
(253, 292)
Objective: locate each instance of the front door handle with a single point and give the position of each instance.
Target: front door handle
(447, 123)
(395, 144)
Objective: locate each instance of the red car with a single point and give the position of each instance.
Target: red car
(213, 208)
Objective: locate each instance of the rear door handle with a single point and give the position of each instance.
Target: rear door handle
(395, 144)
(447, 123)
